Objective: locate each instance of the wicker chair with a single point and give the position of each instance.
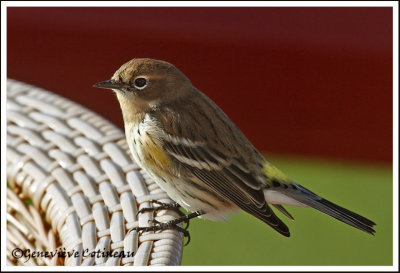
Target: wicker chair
(72, 186)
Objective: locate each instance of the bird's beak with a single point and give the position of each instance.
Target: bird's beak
(110, 84)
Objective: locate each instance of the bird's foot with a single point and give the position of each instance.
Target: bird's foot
(173, 224)
(164, 206)
(163, 226)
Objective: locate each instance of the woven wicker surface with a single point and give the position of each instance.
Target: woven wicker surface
(74, 187)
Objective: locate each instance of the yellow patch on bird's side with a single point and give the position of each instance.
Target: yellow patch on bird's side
(156, 155)
(273, 173)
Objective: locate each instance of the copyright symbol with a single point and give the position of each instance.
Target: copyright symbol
(17, 253)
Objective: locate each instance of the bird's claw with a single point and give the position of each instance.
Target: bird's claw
(162, 206)
(159, 226)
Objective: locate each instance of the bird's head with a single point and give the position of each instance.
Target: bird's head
(146, 83)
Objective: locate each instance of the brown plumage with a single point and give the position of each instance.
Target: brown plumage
(198, 155)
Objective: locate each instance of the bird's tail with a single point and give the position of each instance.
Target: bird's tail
(294, 194)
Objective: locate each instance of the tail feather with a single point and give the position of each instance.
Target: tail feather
(308, 198)
(284, 211)
(345, 216)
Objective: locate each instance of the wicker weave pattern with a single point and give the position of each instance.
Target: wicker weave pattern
(75, 168)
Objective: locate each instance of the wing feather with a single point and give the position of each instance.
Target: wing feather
(218, 155)
(233, 182)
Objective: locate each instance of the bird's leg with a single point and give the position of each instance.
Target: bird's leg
(176, 227)
(164, 206)
(173, 224)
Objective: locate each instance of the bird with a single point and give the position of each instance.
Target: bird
(199, 157)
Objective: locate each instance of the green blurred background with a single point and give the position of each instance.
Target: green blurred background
(316, 239)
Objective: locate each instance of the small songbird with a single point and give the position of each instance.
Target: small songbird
(196, 154)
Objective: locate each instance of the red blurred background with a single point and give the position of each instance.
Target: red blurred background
(309, 81)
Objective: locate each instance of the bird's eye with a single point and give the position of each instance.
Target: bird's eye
(140, 83)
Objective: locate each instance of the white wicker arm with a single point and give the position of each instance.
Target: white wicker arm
(72, 184)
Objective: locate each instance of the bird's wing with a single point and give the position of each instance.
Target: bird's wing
(221, 167)
(228, 178)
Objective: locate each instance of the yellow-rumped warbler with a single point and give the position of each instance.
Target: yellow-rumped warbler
(198, 156)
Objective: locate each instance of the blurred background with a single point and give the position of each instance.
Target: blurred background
(310, 87)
